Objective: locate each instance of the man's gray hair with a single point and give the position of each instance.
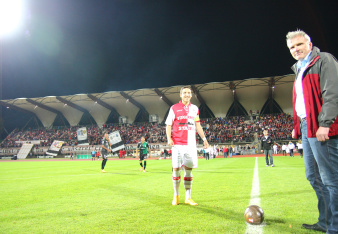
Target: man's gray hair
(297, 33)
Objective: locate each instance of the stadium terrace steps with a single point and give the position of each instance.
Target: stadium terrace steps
(24, 151)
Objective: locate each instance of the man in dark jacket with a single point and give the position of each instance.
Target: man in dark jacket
(105, 150)
(315, 110)
(266, 146)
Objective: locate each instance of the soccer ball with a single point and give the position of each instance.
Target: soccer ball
(254, 215)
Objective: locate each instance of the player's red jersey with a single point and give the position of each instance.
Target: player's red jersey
(182, 119)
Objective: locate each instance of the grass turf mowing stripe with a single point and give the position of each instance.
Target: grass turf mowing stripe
(255, 200)
(75, 197)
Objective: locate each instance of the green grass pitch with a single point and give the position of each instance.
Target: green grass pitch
(75, 197)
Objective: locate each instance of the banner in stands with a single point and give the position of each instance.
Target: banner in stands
(82, 137)
(35, 142)
(55, 148)
(116, 141)
(78, 149)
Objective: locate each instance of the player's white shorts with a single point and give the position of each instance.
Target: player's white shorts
(183, 155)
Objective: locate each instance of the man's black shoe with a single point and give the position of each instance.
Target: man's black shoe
(314, 227)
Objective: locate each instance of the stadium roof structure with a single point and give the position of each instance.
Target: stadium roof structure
(217, 99)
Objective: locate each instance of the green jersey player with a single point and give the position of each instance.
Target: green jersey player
(143, 147)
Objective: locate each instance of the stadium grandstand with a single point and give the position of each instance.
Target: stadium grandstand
(233, 112)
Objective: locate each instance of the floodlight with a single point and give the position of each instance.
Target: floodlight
(11, 16)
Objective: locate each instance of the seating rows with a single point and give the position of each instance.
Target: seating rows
(217, 130)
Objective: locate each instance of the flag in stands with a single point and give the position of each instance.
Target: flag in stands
(82, 138)
(55, 148)
(116, 141)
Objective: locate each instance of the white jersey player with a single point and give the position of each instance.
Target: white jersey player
(182, 123)
(211, 152)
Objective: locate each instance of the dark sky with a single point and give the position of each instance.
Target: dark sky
(87, 46)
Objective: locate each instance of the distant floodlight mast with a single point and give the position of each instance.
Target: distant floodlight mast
(11, 17)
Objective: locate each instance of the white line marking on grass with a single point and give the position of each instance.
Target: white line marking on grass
(255, 200)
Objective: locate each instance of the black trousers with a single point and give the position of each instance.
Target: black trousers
(104, 161)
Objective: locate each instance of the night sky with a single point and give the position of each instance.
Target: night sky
(88, 46)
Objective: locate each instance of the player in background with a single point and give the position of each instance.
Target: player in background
(143, 146)
(300, 148)
(275, 149)
(105, 150)
(225, 152)
(182, 123)
(215, 151)
(207, 153)
(291, 147)
(284, 149)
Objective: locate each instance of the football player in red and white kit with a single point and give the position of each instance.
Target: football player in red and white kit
(182, 123)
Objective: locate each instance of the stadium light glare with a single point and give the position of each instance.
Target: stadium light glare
(11, 16)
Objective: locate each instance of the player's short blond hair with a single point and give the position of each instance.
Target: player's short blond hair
(185, 87)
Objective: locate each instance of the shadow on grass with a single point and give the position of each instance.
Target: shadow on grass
(160, 172)
(268, 195)
(108, 172)
(215, 172)
(117, 173)
(271, 221)
(217, 211)
(288, 193)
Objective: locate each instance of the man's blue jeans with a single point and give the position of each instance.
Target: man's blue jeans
(321, 168)
(268, 154)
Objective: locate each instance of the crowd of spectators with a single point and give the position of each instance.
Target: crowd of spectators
(244, 129)
(217, 130)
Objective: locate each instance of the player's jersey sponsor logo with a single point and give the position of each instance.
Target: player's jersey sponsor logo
(185, 128)
(185, 117)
